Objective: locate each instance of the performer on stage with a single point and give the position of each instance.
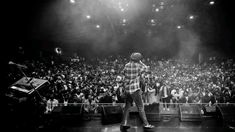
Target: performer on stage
(133, 92)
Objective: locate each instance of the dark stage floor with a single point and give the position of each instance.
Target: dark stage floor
(168, 121)
(170, 124)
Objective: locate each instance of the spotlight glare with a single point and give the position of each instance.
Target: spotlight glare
(157, 9)
(124, 22)
(97, 26)
(88, 17)
(72, 1)
(152, 21)
(179, 27)
(212, 2)
(191, 17)
(122, 9)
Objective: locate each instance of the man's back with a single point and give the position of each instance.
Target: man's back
(132, 72)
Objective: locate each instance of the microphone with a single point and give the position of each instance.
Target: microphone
(19, 65)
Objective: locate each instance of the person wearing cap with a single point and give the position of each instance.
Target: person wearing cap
(132, 72)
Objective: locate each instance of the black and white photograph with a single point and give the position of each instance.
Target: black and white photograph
(118, 66)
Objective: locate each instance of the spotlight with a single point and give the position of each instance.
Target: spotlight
(58, 50)
(122, 9)
(179, 27)
(88, 17)
(212, 3)
(97, 26)
(191, 17)
(152, 21)
(157, 9)
(124, 22)
(72, 1)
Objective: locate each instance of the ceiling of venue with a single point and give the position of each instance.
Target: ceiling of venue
(155, 27)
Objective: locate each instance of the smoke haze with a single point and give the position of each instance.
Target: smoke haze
(98, 27)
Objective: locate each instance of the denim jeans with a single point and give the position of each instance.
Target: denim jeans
(137, 98)
(166, 102)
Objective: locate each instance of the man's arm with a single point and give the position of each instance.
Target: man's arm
(143, 64)
(143, 67)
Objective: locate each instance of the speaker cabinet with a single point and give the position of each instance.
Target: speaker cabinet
(111, 114)
(190, 113)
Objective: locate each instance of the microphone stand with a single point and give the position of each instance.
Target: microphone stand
(23, 73)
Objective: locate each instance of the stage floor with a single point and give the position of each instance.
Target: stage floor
(171, 124)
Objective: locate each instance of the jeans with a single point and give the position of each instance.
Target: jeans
(137, 98)
(166, 102)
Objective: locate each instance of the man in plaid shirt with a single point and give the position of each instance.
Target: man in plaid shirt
(133, 92)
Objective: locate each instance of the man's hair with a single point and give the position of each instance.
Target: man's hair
(136, 56)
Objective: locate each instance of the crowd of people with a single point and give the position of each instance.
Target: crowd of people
(95, 81)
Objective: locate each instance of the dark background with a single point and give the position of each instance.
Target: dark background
(42, 25)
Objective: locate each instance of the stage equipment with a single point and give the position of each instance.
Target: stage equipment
(190, 112)
(111, 114)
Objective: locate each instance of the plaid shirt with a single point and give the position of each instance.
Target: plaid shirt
(132, 73)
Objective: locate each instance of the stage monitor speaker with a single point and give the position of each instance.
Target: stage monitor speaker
(70, 114)
(72, 109)
(226, 113)
(152, 112)
(111, 114)
(190, 112)
(209, 110)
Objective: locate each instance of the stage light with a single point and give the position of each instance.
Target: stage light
(72, 1)
(97, 26)
(191, 17)
(152, 21)
(212, 2)
(124, 22)
(88, 17)
(58, 50)
(122, 9)
(157, 9)
(179, 27)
